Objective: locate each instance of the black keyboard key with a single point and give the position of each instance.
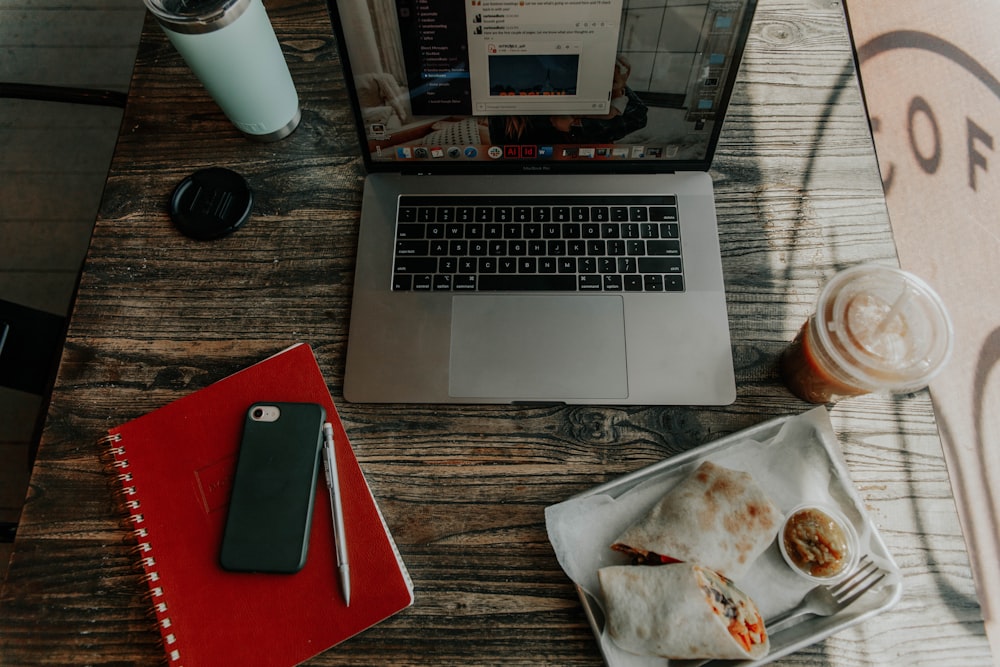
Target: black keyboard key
(590, 230)
(503, 214)
(474, 231)
(637, 214)
(619, 213)
(416, 248)
(632, 282)
(520, 283)
(560, 214)
(426, 214)
(663, 213)
(465, 214)
(493, 230)
(571, 230)
(435, 231)
(402, 282)
(422, 283)
(659, 264)
(446, 214)
(599, 213)
(541, 214)
(448, 265)
(522, 214)
(613, 283)
(661, 248)
(414, 265)
(442, 283)
(611, 230)
(649, 230)
(551, 231)
(484, 214)
(407, 214)
(410, 231)
(590, 283)
(580, 214)
(464, 284)
(673, 283)
(652, 283)
(513, 230)
(670, 230)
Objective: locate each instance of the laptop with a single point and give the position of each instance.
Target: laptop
(538, 224)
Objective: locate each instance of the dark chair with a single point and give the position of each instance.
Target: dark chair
(31, 340)
(30, 345)
(34, 91)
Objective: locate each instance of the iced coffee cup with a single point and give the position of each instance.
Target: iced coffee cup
(875, 329)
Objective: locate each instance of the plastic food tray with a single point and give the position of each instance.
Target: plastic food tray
(795, 459)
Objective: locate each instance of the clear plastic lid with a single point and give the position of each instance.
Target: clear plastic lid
(885, 327)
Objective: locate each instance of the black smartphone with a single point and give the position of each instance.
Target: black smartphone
(274, 488)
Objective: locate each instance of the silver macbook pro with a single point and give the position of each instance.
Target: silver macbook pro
(538, 223)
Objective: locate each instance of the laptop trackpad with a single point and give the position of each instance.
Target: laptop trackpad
(538, 347)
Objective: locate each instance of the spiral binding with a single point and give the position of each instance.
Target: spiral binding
(115, 462)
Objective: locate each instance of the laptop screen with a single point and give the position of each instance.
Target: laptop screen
(533, 85)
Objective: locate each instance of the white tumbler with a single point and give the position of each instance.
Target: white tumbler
(231, 47)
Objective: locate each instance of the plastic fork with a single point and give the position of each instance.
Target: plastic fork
(828, 600)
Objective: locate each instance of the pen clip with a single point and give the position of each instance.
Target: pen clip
(329, 463)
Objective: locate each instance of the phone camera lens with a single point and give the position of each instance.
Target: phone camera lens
(258, 413)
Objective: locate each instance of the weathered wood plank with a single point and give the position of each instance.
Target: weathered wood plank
(463, 488)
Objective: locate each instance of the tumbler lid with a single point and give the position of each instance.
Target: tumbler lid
(196, 16)
(211, 203)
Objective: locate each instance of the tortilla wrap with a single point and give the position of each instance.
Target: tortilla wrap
(717, 517)
(681, 611)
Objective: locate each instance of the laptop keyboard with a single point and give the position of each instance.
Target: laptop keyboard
(538, 243)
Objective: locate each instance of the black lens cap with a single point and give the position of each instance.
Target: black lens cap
(211, 203)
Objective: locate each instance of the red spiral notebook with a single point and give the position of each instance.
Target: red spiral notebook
(175, 466)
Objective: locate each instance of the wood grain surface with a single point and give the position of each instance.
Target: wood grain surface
(463, 488)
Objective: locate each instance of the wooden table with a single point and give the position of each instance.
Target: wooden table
(464, 488)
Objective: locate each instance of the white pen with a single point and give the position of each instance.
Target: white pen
(333, 484)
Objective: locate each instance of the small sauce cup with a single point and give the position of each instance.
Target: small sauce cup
(819, 543)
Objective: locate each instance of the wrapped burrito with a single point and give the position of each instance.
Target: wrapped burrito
(717, 517)
(681, 611)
